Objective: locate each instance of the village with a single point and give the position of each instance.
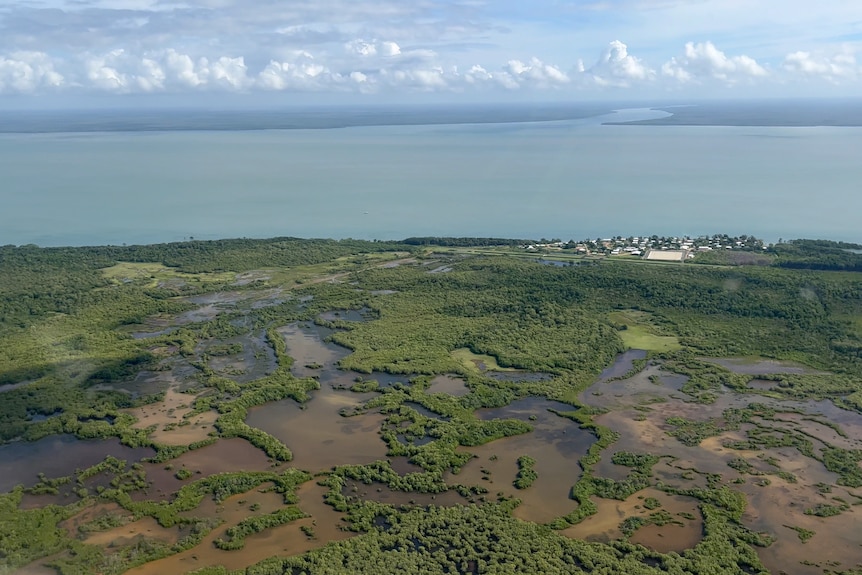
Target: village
(657, 248)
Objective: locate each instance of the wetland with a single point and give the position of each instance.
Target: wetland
(337, 407)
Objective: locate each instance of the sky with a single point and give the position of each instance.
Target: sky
(74, 52)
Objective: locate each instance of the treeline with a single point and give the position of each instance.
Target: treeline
(818, 255)
(464, 242)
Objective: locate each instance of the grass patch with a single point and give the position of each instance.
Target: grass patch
(152, 273)
(639, 333)
(472, 361)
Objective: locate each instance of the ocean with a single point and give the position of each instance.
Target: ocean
(561, 178)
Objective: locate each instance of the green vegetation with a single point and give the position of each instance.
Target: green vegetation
(804, 534)
(183, 474)
(510, 328)
(637, 332)
(826, 510)
(526, 472)
(236, 535)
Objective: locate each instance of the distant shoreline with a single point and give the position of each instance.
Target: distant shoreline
(765, 114)
(318, 118)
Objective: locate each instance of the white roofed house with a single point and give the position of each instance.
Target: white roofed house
(666, 255)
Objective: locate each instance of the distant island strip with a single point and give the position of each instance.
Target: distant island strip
(764, 113)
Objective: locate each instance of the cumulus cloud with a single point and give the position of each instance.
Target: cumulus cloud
(168, 70)
(383, 66)
(704, 61)
(835, 68)
(102, 72)
(617, 68)
(390, 49)
(536, 73)
(514, 75)
(361, 48)
(424, 79)
(478, 75)
(367, 49)
(26, 72)
(303, 73)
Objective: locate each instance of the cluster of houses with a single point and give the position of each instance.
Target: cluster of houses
(663, 248)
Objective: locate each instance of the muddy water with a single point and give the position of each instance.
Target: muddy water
(670, 537)
(289, 539)
(283, 540)
(771, 507)
(166, 415)
(58, 456)
(760, 366)
(637, 390)
(90, 513)
(226, 455)
(604, 526)
(555, 443)
(256, 360)
(211, 305)
(146, 527)
(313, 356)
(623, 364)
(319, 437)
(304, 343)
(402, 466)
(761, 384)
(607, 468)
(38, 568)
(449, 385)
(231, 511)
(774, 507)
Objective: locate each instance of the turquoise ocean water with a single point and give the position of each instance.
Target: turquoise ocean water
(568, 179)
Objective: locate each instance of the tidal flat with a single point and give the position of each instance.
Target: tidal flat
(780, 483)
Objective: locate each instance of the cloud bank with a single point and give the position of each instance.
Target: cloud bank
(388, 47)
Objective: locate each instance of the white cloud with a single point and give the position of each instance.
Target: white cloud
(103, 74)
(367, 49)
(704, 61)
(535, 73)
(617, 68)
(183, 69)
(301, 74)
(366, 65)
(228, 72)
(479, 76)
(152, 77)
(25, 72)
(361, 48)
(423, 79)
(390, 49)
(168, 70)
(836, 68)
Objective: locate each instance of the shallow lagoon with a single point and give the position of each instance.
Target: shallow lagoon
(58, 456)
